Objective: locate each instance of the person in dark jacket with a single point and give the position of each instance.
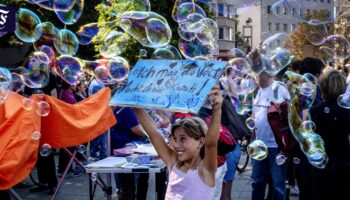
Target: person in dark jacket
(332, 124)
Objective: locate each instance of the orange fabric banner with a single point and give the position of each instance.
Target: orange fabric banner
(66, 125)
(18, 147)
(74, 124)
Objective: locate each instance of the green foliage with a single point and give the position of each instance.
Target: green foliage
(109, 11)
(297, 41)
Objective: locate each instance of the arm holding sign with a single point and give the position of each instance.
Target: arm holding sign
(211, 139)
(166, 153)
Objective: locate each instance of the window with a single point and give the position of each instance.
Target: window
(292, 27)
(277, 10)
(269, 9)
(277, 26)
(221, 33)
(292, 11)
(231, 12)
(231, 34)
(220, 9)
(285, 12)
(226, 10)
(321, 1)
(285, 27)
(226, 33)
(308, 12)
(328, 1)
(269, 26)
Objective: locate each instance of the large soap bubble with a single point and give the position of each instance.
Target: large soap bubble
(87, 33)
(36, 70)
(66, 43)
(148, 28)
(26, 25)
(72, 15)
(69, 68)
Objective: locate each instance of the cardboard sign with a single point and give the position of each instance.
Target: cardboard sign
(176, 85)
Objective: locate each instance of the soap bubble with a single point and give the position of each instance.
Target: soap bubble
(5, 91)
(113, 45)
(43, 108)
(36, 70)
(194, 48)
(281, 159)
(27, 103)
(63, 5)
(257, 150)
(16, 83)
(278, 92)
(69, 68)
(87, 33)
(48, 36)
(36, 135)
(166, 53)
(250, 123)
(26, 26)
(148, 28)
(45, 150)
(181, 11)
(81, 148)
(66, 42)
(72, 15)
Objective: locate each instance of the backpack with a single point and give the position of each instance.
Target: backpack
(277, 116)
(226, 142)
(234, 122)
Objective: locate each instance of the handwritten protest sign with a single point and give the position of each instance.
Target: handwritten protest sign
(176, 85)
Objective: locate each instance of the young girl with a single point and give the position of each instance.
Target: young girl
(192, 162)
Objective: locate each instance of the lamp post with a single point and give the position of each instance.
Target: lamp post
(248, 33)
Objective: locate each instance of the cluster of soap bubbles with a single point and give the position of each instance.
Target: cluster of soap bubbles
(275, 55)
(302, 89)
(197, 32)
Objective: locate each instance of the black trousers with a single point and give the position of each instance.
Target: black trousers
(46, 170)
(133, 185)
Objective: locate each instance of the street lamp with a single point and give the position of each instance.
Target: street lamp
(248, 33)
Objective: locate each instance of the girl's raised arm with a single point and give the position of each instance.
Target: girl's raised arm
(167, 154)
(211, 139)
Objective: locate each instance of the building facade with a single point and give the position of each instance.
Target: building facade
(225, 13)
(264, 19)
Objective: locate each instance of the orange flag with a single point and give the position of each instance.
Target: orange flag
(18, 141)
(74, 124)
(66, 125)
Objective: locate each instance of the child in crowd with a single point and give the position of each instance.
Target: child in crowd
(192, 162)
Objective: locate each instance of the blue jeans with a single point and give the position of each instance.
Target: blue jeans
(265, 169)
(99, 145)
(232, 160)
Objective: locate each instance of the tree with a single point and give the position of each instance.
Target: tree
(108, 11)
(297, 41)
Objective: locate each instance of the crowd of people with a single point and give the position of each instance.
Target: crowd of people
(197, 166)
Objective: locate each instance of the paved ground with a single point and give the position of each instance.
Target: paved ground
(77, 189)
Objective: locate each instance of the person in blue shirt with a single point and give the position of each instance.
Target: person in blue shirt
(127, 130)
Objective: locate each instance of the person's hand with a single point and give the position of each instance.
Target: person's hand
(215, 98)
